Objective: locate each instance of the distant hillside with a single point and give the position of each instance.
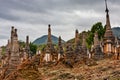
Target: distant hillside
(43, 40)
(116, 31)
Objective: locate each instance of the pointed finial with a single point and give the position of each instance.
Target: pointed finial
(106, 7)
(76, 31)
(59, 40)
(59, 37)
(27, 38)
(15, 30)
(49, 25)
(12, 27)
(27, 41)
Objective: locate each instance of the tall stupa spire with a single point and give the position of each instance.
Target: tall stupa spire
(108, 26)
(49, 35)
(59, 41)
(108, 31)
(106, 7)
(108, 36)
(77, 37)
(27, 43)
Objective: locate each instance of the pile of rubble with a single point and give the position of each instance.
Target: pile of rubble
(28, 70)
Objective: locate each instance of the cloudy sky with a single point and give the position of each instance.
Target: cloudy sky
(31, 17)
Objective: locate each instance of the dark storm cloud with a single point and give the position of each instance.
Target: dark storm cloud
(42, 6)
(46, 8)
(65, 16)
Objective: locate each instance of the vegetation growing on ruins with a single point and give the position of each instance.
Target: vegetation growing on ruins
(33, 48)
(97, 27)
(3, 50)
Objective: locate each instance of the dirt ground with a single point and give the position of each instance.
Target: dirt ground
(106, 69)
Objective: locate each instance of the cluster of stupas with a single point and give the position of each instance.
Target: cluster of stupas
(14, 56)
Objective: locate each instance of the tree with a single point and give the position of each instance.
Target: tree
(21, 43)
(3, 50)
(33, 48)
(41, 47)
(97, 27)
(90, 39)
